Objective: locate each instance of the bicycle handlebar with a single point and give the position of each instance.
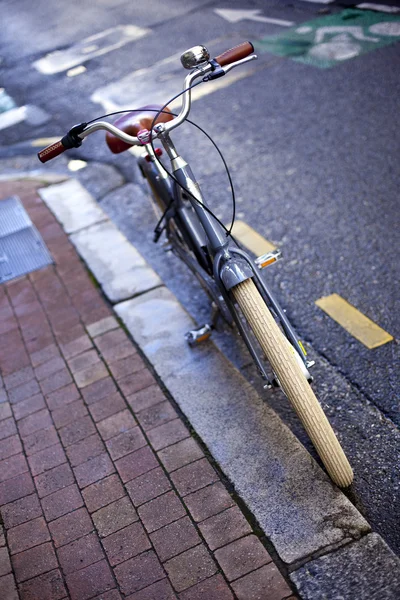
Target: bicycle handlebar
(51, 151)
(71, 140)
(229, 59)
(235, 54)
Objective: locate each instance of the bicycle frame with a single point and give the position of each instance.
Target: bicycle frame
(220, 264)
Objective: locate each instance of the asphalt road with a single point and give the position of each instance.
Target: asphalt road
(314, 155)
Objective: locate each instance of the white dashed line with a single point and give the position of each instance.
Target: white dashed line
(378, 7)
(29, 113)
(95, 45)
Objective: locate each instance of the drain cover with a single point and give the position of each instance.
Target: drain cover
(22, 249)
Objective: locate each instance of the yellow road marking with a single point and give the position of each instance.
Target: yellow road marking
(44, 141)
(351, 319)
(77, 165)
(76, 71)
(249, 237)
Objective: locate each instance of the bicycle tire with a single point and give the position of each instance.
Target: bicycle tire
(293, 382)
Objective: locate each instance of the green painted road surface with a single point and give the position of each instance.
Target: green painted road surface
(327, 41)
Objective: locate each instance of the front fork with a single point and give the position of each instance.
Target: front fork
(232, 267)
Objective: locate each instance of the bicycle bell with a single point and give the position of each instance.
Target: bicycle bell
(195, 56)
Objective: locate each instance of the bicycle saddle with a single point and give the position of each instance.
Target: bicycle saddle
(131, 123)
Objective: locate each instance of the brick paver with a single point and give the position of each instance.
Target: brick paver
(86, 449)
(49, 586)
(161, 511)
(54, 480)
(104, 493)
(162, 590)
(44, 438)
(242, 556)
(209, 501)
(148, 486)
(80, 553)
(224, 528)
(125, 443)
(126, 543)
(214, 588)
(20, 511)
(135, 464)
(119, 423)
(193, 477)
(189, 568)
(9, 446)
(91, 580)
(180, 454)
(139, 572)
(70, 527)
(34, 561)
(260, 583)
(114, 516)
(175, 538)
(62, 502)
(29, 534)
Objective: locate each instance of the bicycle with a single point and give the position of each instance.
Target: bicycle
(228, 274)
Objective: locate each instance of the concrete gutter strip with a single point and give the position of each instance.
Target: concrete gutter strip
(119, 268)
(292, 499)
(116, 264)
(300, 510)
(72, 205)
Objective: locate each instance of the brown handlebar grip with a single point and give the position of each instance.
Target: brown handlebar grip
(51, 151)
(234, 54)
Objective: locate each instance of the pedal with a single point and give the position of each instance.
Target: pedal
(267, 259)
(196, 336)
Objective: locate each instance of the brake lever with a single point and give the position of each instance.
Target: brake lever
(218, 71)
(239, 62)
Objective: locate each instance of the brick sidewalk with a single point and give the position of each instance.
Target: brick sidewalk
(104, 493)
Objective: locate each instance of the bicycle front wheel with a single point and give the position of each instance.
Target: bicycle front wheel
(293, 382)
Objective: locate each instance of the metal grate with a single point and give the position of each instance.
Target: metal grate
(22, 248)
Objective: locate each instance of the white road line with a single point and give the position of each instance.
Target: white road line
(29, 113)
(95, 45)
(378, 7)
(234, 15)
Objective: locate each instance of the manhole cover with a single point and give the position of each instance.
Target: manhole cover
(22, 248)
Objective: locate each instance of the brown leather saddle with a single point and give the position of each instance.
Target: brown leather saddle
(133, 122)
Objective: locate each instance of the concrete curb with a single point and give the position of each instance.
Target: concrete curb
(309, 521)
